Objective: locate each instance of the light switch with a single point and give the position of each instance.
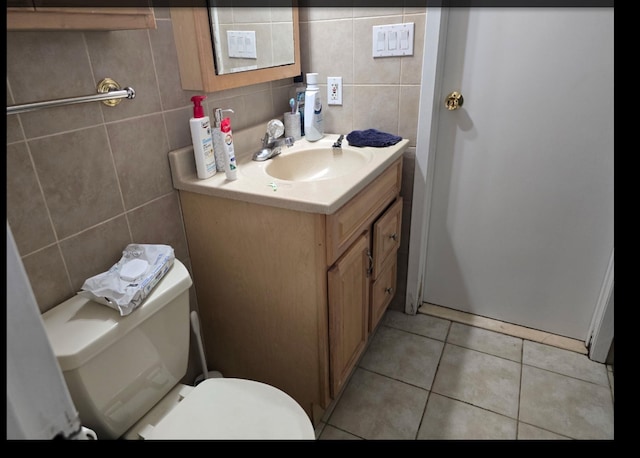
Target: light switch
(380, 42)
(392, 40)
(404, 39)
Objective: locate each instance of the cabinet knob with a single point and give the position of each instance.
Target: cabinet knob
(394, 237)
(388, 290)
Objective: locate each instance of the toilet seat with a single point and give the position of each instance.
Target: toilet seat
(234, 409)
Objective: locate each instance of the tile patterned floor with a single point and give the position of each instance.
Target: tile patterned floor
(427, 377)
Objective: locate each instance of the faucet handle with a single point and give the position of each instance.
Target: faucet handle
(275, 128)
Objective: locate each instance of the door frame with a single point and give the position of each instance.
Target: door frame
(426, 143)
(600, 336)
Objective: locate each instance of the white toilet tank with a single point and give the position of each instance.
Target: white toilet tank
(117, 368)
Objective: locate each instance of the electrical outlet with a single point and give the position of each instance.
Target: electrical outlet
(334, 90)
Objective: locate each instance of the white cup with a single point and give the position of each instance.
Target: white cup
(292, 125)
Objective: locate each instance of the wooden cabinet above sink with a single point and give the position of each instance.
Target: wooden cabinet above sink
(25, 15)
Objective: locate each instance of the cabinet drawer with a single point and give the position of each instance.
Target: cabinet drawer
(386, 236)
(346, 224)
(382, 291)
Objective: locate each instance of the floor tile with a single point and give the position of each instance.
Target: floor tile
(448, 419)
(331, 433)
(429, 377)
(424, 325)
(373, 406)
(403, 356)
(564, 362)
(565, 405)
(528, 432)
(486, 381)
(486, 341)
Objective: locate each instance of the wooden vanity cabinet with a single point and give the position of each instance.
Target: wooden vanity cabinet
(290, 298)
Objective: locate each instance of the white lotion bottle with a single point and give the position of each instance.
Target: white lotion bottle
(313, 122)
(223, 129)
(202, 140)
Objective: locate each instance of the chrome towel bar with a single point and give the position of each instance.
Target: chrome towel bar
(109, 93)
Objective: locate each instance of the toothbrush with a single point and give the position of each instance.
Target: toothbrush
(292, 105)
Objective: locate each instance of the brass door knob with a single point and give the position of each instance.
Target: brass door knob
(454, 101)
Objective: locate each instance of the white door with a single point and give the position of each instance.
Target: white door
(520, 225)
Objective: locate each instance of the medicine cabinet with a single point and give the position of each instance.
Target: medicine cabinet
(31, 15)
(194, 32)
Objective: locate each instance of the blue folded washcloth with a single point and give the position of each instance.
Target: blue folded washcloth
(372, 137)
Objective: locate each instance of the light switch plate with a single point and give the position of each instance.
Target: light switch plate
(392, 40)
(242, 44)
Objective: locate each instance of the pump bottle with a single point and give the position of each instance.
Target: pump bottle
(202, 140)
(223, 130)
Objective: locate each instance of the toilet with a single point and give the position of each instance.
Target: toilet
(124, 375)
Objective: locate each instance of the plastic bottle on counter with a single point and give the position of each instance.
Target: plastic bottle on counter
(226, 137)
(313, 122)
(202, 140)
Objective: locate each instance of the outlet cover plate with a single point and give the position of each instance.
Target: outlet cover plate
(334, 90)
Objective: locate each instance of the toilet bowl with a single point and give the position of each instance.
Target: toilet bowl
(124, 373)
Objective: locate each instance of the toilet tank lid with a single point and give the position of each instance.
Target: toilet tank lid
(79, 328)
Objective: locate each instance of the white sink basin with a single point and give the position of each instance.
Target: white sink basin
(308, 176)
(316, 164)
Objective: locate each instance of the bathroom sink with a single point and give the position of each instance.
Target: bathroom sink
(317, 164)
(306, 176)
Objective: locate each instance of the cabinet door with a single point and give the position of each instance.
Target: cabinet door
(348, 311)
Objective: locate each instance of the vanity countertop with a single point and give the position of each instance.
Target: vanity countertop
(256, 186)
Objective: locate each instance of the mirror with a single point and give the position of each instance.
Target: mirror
(246, 39)
(193, 34)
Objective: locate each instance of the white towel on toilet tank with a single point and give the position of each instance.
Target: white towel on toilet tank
(125, 285)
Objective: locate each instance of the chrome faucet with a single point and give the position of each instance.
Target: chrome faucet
(272, 143)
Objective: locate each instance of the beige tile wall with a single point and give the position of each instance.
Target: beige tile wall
(85, 180)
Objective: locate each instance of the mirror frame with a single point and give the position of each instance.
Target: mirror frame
(194, 46)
